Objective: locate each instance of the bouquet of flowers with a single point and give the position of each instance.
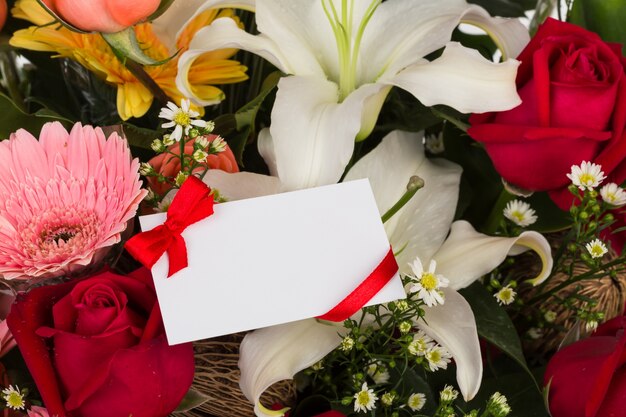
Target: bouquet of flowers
(492, 134)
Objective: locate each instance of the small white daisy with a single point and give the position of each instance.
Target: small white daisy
(145, 169)
(318, 366)
(168, 141)
(426, 284)
(388, 398)
(591, 325)
(596, 248)
(217, 145)
(434, 144)
(498, 405)
(181, 177)
(438, 358)
(347, 344)
(448, 393)
(14, 398)
(378, 372)
(613, 194)
(405, 327)
(183, 118)
(506, 295)
(587, 176)
(402, 305)
(166, 202)
(535, 333)
(364, 400)
(157, 145)
(199, 155)
(549, 316)
(416, 401)
(520, 213)
(421, 344)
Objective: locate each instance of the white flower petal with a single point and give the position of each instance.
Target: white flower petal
(224, 33)
(419, 228)
(419, 28)
(241, 185)
(510, 35)
(312, 134)
(279, 352)
(453, 326)
(467, 255)
(463, 79)
(169, 26)
(301, 32)
(266, 149)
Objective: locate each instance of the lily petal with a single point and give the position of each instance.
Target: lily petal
(312, 135)
(510, 35)
(241, 185)
(458, 77)
(452, 324)
(420, 227)
(279, 352)
(224, 33)
(467, 255)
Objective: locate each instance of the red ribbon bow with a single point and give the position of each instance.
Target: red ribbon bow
(191, 204)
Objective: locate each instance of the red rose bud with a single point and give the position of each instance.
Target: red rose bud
(588, 378)
(96, 348)
(573, 91)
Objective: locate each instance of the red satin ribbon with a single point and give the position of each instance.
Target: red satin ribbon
(362, 294)
(191, 204)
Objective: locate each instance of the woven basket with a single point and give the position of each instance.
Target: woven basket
(610, 293)
(217, 376)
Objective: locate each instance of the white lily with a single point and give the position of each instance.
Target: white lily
(419, 229)
(344, 57)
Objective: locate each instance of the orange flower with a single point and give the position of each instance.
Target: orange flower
(106, 16)
(168, 165)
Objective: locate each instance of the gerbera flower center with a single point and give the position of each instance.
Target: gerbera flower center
(57, 234)
(429, 281)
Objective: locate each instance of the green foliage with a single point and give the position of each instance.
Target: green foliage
(494, 324)
(191, 400)
(605, 17)
(13, 118)
(506, 8)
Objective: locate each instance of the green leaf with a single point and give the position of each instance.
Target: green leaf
(494, 324)
(125, 46)
(191, 400)
(605, 17)
(139, 137)
(506, 8)
(13, 118)
(550, 218)
(165, 4)
(245, 118)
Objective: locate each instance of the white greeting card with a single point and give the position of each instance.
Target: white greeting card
(272, 260)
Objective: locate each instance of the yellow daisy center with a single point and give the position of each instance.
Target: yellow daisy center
(597, 250)
(363, 397)
(587, 178)
(434, 356)
(182, 118)
(429, 281)
(15, 400)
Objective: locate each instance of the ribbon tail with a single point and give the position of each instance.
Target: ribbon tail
(148, 247)
(362, 294)
(177, 254)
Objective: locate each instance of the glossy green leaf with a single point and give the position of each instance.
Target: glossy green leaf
(125, 46)
(494, 324)
(605, 17)
(191, 400)
(13, 118)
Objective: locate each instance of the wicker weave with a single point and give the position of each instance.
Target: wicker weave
(217, 376)
(608, 292)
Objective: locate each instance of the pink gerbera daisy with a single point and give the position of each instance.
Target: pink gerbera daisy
(64, 200)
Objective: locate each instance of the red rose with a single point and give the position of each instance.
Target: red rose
(573, 91)
(589, 376)
(96, 348)
(169, 165)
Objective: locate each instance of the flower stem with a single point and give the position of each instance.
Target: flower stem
(144, 78)
(495, 216)
(414, 185)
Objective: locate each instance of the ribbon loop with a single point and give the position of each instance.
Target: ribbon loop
(192, 203)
